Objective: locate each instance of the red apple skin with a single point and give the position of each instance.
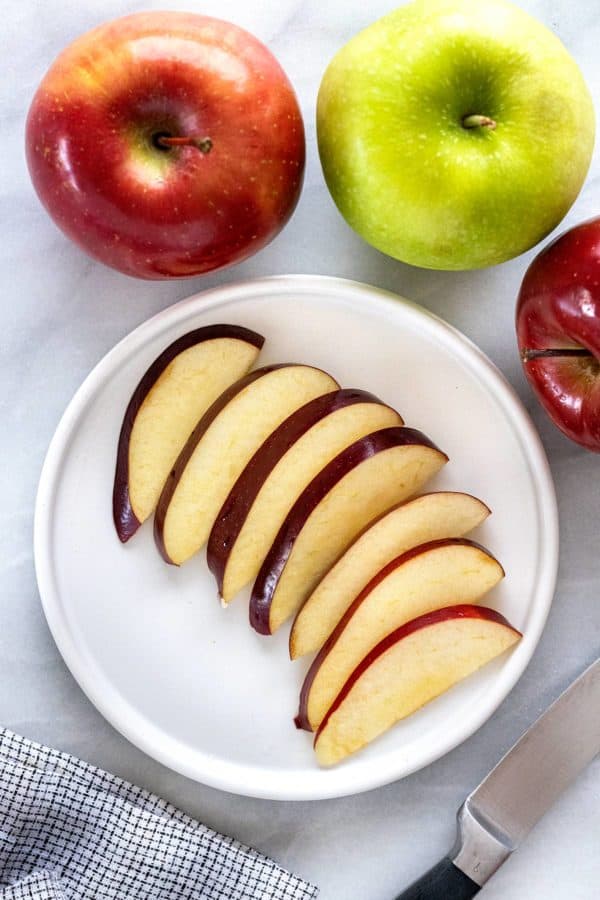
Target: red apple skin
(462, 611)
(233, 514)
(301, 720)
(171, 212)
(126, 521)
(275, 562)
(559, 308)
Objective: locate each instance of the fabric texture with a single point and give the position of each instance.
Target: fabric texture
(69, 830)
(38, 886)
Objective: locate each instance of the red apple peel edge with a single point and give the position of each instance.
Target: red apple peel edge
(125, 520)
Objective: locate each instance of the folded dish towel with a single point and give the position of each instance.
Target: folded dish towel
(69, 830)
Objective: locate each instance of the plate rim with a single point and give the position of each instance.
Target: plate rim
(236, 777)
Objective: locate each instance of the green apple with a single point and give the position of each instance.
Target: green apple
(454, 134)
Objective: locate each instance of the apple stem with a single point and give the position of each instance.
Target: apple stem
(555, 352)
(203, 144)
(475, 121)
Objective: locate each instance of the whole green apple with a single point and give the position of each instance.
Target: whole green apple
(454, 134)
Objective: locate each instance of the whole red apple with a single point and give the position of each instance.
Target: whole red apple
(558, 329)
(167, 144)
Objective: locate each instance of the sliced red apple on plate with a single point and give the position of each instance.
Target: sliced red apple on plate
(427, 518)
(407, 669)
(173, 394)
(452, 570)
(363, 481)
(277, 474)
(221, 445)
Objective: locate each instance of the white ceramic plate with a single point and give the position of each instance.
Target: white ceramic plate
(190, 683)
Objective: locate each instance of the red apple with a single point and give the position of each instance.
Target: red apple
(167, 144)
(558, 329)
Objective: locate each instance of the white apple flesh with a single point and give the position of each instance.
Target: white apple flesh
(277, 474)
(410, 667)
(434, 575)
(366, 479)
(173, 394)
(222, 443)
(445, 514)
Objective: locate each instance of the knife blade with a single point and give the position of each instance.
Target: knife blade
(500, 812)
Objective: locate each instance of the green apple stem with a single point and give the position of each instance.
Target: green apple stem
(203, 144)
(475, 121)
(556, 352)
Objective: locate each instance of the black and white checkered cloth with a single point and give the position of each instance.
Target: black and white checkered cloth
(69, 830)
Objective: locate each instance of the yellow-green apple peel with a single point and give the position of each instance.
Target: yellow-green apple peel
(454, 134)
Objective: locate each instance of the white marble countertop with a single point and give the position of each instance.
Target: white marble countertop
(61, 312)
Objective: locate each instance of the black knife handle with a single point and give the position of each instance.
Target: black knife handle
(444, 882)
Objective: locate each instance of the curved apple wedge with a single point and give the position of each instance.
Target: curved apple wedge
(277, 474)
(221, 445)
(362, 482)
(428, 577)
(407, 669)
(173, 394)
(430, 517)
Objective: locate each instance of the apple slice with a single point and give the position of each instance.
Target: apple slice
(411, 666)
(174, 393)
(221, 445)
(452, 570)
(427, 518)
(363, 481)
(277, 474)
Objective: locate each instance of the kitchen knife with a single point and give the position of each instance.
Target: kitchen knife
(499, 813)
